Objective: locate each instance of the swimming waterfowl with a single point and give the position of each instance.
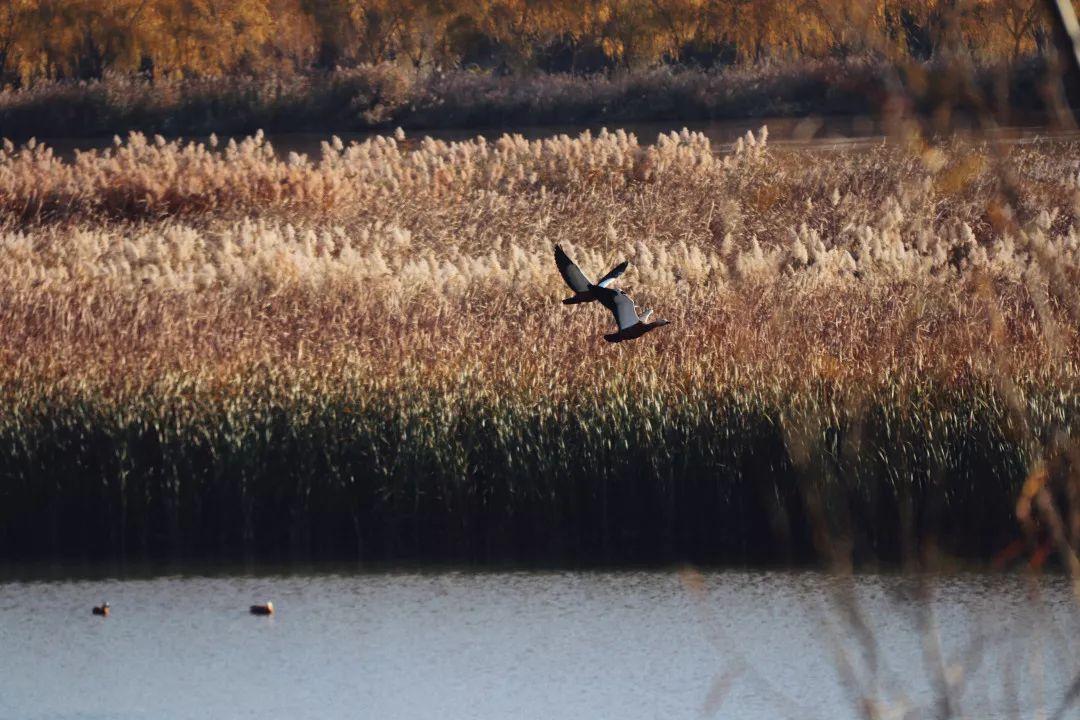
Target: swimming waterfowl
(578, 282)
(626, 318)
(102, 610)
(267, 609)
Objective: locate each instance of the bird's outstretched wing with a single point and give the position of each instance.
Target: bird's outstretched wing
(620, 305)
(613, 273)
(571, 273)
(625, 311)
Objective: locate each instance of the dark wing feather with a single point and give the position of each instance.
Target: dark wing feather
(571, 273)
(613, 273)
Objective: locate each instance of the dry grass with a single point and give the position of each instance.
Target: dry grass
(208, 348)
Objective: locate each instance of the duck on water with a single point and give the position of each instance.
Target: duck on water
(265, 609)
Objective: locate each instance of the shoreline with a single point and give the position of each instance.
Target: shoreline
(382, 97)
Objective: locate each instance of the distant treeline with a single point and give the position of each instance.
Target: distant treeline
(85, 39)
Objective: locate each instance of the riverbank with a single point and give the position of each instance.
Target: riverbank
(385, 96)
(213, 351)
(287, 470)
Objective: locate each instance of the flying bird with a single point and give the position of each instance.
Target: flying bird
(583, 289)
(622, 307)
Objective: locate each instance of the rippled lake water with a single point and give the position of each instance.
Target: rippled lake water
(627, 645)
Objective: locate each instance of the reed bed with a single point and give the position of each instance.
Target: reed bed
(213, 349)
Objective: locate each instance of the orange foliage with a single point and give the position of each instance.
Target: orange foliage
(86, 38)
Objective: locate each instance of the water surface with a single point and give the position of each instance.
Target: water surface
(827, 132)
(589, 645)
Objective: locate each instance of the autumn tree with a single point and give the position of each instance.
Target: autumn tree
(1019, 19)
(86, 38)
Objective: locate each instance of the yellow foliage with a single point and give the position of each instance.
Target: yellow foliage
(86, 38)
